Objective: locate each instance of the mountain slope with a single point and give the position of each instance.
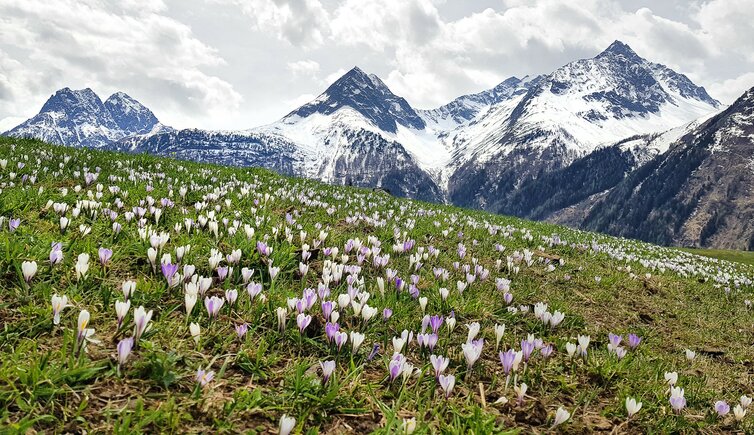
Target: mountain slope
(80, 118)
(699, 193)
(577, 109)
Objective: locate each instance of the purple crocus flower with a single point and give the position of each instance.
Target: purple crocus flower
(527, 347)
(253, 289)
(213, 305)
(56, 253)
(169, 270)
(633, 341)
(13, 224)
(373, 353)
(222, 273)
(231, 295)
(331, 330)
(722, 408)
(506, 359)
(508, 297)
(241, 330)
(546, 351)
(614, 339)
(204, 377)
(327, 369)
(105, 255)
(340, 339)
(387, 313)
(303, 320)
(124, 349)
(435, 322)
(395, 367)
(327, 309)
(263, 249)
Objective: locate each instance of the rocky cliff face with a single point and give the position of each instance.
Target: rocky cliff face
(698, 193)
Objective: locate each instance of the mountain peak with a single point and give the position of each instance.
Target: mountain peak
(78, 117)
(369, 96)
(131, 116)
(619, 48)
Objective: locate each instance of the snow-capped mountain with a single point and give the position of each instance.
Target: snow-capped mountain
(698, 193)
(578, 108)
(467, 107)
(80, 118)
(547, 147)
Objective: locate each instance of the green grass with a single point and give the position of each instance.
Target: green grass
(674, 300)
(745, 257)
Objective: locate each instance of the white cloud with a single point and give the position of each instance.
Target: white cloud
(298, 22)
(304, 68)
(190, 60)
(729, 90)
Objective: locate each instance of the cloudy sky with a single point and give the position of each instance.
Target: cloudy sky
(225, 64)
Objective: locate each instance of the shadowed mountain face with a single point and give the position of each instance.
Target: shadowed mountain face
(698, 193)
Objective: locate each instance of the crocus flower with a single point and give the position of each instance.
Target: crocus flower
(253, 289)
(408, 426)
(83, 333)
(82, 266)
(141, 322)
(105, 255)
(124, 350)
(472, 351)
(28, 269)
(632, 406)
(677, 399)
(241, 330)
(204, 377)
(128, 287)
(387, 313)
(58, 303)
(447, 383)
(507, 359)
(56, 254)
(583, 344)
(356, 340)
(213, 305)
(121, 310)
(671, 378)
(231, 295)
(633, 341)
(473, 331)
(690, 354)
(527, 347)
(303, 320)
(546, 351)
(328, 367)
(745, 401)
(499, 332)
(739, 412)
(722, 408)
(520, 393)
(282, 313)
(286, 423)
(439, 364)
(561, 416)
(195, 331)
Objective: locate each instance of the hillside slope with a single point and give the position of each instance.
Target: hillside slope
(144, 294)
(699, 193)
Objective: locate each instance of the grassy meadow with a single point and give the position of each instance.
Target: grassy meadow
(143, 294)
